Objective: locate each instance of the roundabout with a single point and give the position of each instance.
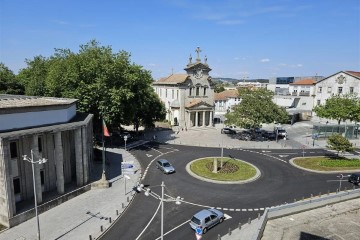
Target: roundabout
(223, 171)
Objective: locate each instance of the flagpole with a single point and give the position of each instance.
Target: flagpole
(103, 151)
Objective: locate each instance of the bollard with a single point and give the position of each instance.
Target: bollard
(90, 237)
(311, 196)
(337, 190)
(123, 205)
(249, 220)
(328, 192)
(101, 228)
(239, 225)
(258, 215)
(117, 212)
(229, 231)
(319, 194)
(128, 200)
(219, 237)
(109, 219)
(303, 198)
(294, 199)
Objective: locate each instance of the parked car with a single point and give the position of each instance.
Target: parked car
(165, 166)
(269, 135)
(354, 178)
(280, 131)
(206, 219)
(228, 131)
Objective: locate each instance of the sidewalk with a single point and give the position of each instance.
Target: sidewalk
(83, 215)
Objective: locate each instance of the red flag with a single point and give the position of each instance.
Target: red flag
(105, 130)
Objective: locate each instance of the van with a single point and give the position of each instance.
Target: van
(354, 178)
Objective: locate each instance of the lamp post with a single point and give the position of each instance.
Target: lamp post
(148, 192)
(125, 139)
(40, 161)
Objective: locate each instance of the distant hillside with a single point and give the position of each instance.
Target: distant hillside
(233, 80)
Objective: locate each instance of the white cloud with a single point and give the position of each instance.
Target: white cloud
(299, 65)
(265, 60)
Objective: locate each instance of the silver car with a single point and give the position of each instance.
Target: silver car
(165, 166)
(206, 219)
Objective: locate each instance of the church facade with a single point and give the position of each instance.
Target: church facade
(188, 98)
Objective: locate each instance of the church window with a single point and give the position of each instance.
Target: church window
(340, 89)
(351, 89)
(204, 91)
(319, 89)
(190, 91)
(329, 90)
(197, 91)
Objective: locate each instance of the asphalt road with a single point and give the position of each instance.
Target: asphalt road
(279, 182)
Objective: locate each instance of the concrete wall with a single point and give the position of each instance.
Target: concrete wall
(31, 119)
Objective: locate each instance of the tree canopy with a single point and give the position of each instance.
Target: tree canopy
(8, 82)
(339, 143)
(340, 108)
(107, 84)
(256, 107)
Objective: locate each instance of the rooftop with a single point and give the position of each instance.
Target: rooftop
(20, 101)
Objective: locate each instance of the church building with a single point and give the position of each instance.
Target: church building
(188, 98)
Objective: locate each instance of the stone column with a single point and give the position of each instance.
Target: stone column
(37, 167)
(196, 118)
(78, 156)
(85, 154)
(211, 119)
(59, 161)
(203, 119)
(190, 125)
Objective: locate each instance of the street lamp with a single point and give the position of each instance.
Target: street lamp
(40, 161)
(148, 192)
(125, 138)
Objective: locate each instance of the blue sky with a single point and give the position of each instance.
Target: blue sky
(241, 38)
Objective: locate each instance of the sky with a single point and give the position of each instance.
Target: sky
(242, 39)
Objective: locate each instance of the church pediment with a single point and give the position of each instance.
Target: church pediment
(198, 104)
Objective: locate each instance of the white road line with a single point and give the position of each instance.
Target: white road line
(174, 229)
(231, 209)
(250, 210)
(256, 209)
(262, 209)
(227, 216)
(149, 221)
(238, 210)
(244, 210)
(225, 209)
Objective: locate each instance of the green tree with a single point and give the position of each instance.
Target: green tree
(107, 84)
(219, 88)
(33, 77)
(256, 107)
(339, 143)
(8, 82)
(340, 108)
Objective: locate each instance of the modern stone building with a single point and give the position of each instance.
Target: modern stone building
(50, 128)
(188, 98)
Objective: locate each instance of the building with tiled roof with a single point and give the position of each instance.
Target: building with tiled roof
(224, 102)
(188, 98)
(41, 128)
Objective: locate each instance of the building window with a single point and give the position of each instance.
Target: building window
(318, 102)
(172, 94)
(319, 89)
(13, 150)
(165, 93)
(197, 91)
(16, 183)
(340, 90)
(40, 144)
(177, 94)
(351, 89)
(204, 91)
(329, 90)
(190, 91)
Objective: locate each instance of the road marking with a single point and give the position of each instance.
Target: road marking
(250, 210)
(256, 209)
(149, 222)
(231, 209)
(225, 209)
(238, 210)
(265, 151)
(283, 155)
(148, 155)
(173, 229)
(262, 209)
(227, 216)
(244, 210)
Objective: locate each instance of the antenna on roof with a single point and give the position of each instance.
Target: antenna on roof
(172, 71)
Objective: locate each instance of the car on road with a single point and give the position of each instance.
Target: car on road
(281, 132)
(165, 166)
(206, 219)
(228, 131)
(354, 178)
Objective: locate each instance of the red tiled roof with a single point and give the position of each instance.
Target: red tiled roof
(226, 94)
(304, 82)
(172, 79)
(192, 103)
(356, 74)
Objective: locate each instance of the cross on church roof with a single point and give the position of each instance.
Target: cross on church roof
(198, 50)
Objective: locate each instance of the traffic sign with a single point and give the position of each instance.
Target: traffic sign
(198, 230)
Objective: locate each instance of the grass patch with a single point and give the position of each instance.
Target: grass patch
(328, 163)
(233, 170)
